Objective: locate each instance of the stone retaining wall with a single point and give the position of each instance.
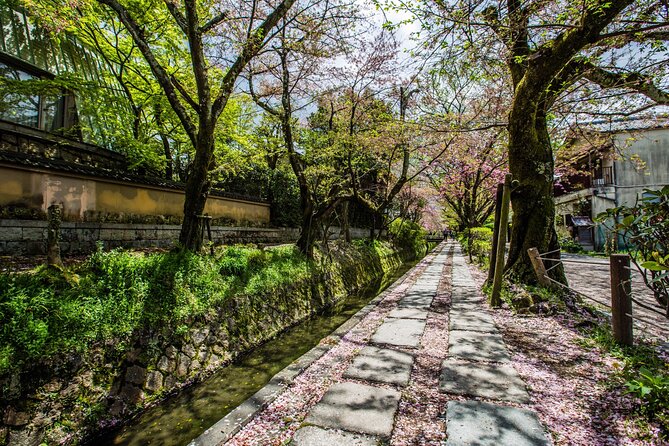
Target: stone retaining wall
(28, 237)
(77, 395)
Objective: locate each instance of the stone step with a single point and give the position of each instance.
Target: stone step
(316, 436)
(381, 365)
(400, 332)
(476, 346)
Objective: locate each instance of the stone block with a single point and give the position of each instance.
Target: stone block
(316, 436)
(485, 424)
(182, 366)
(33, 234)
(357, 408)
(166, 365)
(189, 350)
(381, 365)
(195, 367)
(477, 346)
(171, 352)
(198, 336)
(16, 418)
(131, 394)
(154, 381)
(400, 332)
(135, 375)
(11, 234)
(496, 382)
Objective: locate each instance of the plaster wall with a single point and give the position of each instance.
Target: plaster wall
(79, 196)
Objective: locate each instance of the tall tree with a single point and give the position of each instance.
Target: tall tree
(218, 38)
(550, 49)
(284, 80)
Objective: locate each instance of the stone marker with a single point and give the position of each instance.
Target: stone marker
(497, 382)
(476, 346)
(358, 408)
(401, 332)
(381, 365)
(484, 424)
(316, 436)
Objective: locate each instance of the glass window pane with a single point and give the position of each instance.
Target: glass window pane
(52, 113)
(18, 107)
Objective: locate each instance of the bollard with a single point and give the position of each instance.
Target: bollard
(621, 299)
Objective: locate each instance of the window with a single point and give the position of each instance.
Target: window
(45, 112)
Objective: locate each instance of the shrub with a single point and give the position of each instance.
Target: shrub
(114, 293)
(409, 236)
(645, 230)
(477, 242)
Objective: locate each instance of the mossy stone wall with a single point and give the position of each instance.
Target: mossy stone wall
(75, 396)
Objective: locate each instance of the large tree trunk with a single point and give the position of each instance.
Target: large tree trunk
(345, 227)
(531, 164)
(197, 190)
(309, 231)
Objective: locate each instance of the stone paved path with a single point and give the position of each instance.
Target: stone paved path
(477, 367)
(482, 387)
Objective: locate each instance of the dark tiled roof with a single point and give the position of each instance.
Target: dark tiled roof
(36, 162)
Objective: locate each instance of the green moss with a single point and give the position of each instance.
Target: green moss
(115, 295)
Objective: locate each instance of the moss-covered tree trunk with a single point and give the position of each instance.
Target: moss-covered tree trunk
(539, 75)
(197, 190)
(531, 164)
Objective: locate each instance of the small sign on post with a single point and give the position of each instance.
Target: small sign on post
(621, 299)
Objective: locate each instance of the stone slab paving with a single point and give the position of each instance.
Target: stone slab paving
(399, 332)
(381, 365)
(477, 346)
(474, 337)
(416, 302)
(484, 424)
(496, 382)
(408, 313)
(471, 320)
(316, 436)
(356, 407)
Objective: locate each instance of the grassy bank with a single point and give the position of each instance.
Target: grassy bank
(113, 294)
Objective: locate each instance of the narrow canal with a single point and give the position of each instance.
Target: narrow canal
(185, 416)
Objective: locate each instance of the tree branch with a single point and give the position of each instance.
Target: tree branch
(632, 81)
(178, 16)
(157, 69)
(250, 49)
(213, 22)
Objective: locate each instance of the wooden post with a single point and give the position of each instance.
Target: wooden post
(621, 299)
(538, 266)
(495, 299)
(495, 232)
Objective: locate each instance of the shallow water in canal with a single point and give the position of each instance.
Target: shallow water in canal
(185, 416)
